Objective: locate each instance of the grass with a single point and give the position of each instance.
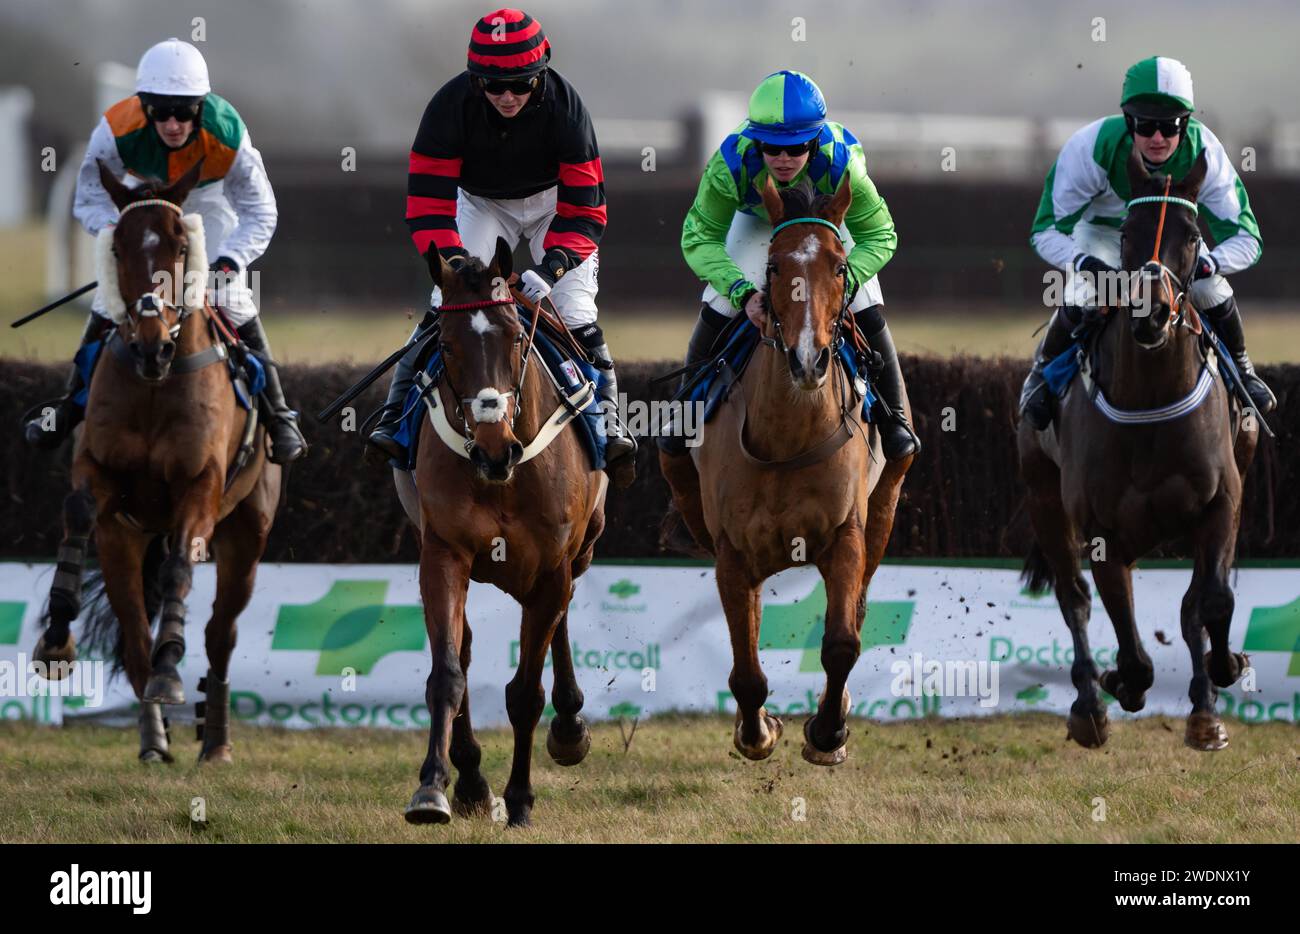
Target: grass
(997, 779)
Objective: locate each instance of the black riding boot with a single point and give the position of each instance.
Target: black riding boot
(618, 443)
(897, 439)
(287, 442)
(48, 432)
(1035, 397)
(1226, 321)
(381, 445)
(709, 326)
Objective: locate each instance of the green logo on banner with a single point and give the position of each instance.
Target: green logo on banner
(350, 626)
(1276, 629)
(624, 588)
(11, 621)
(802, 624)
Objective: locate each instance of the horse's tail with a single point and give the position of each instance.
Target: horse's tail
(1037, 575)
(102, 633)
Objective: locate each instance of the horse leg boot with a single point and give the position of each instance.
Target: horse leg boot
(155, 739)
(49, 427)
(381, 444)
(897, 439)
(1225, 318)
(1035, 396)
(56, 649)
(164, 685)
(287, 442)
(618, 443)
(212, 719)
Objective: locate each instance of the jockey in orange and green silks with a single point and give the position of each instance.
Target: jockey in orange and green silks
(787, 137)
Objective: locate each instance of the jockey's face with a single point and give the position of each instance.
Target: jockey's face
(1157, 147)
(508, 104)
(172, 132)
(784, 166)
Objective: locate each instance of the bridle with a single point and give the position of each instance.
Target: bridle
(777, 342)
(1171, 287)
(517, 393)
(151, 304)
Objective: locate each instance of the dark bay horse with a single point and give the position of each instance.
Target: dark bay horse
(1158, 454)
(499, 497)
(787, 474)
(150, 474)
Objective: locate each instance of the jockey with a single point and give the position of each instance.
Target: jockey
(1084, 202)
(726, 233)
(170, 123)
(506, 149)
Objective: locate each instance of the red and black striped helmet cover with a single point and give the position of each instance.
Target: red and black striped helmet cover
(508, 43)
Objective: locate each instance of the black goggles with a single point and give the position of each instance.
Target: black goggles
(183, 111)
(516, 86)
(788, 149)
(1142, 126)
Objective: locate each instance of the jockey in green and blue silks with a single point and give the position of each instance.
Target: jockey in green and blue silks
(1077, 227)
(726, 233)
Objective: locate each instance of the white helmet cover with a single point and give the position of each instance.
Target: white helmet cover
(173, 67)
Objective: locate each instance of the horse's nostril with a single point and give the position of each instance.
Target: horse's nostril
(823, 360)
(136, 351)
(166, 352)
(516, 452)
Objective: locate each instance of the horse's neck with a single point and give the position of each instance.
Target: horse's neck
(785, 421)
(1134, 378)
(196, 334)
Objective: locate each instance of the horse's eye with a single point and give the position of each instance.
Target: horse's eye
(842, 269)
(444, 348)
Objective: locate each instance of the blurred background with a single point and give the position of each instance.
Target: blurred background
(1001, 83)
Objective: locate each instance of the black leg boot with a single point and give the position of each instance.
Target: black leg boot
(381, 445)
(1226, 321)
(618, 443)
(47, 431)
(897, 439)
(287, 442)
(1035, 396)
(709, 326)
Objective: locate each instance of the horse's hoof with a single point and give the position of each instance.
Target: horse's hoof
(164, 688)
(1237, 663)
(155, 757)
(1089, 730)
(770, 729)
(816, 756)
(218, 755)
(428, 806)
(1112, 684)
(469, 808)
(568, 753)
(50, 656)
(1205, 732)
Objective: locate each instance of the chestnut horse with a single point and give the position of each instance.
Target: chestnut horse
(490, 509)
(1159, 453)
(149, 470)
(787, 473)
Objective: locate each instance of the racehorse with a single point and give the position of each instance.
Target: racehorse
(500, 495)
(788, 473)
(150, 471)
(1159, 452)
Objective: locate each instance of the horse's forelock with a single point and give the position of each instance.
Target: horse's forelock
(803, 200)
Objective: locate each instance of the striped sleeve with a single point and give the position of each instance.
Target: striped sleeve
(433, 178)
(580, 215)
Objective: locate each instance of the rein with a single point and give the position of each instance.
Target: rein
(1170, 286)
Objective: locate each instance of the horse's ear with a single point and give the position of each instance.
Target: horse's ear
(120, 194)
(840, 201)
(1191, 183)
(439, 269)
(180, 189)
(772, 201)
(503, 261)
(1137, 172)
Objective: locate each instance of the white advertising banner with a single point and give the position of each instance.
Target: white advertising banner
(345, 645)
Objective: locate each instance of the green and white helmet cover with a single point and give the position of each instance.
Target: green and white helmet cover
(1158, 80)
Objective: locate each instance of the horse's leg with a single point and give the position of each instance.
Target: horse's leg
(1133, 676)
(1207, 607)
(56, 648)
(1057, 541)
(195, 511)
(473, 796)
(756, 730)
(444, 582)
(568, 740)
(684, 482)
(826, 733)
(525, 697)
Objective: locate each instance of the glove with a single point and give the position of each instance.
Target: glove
(1085, 263)
(534, 286)
(1206, 266)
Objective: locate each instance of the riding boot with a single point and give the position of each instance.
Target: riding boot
(381, 445)
(1035, 396)
(287, 442)
(618, 443)
(897, 439)
(711, 323)
(1226, 321)
(48, 432)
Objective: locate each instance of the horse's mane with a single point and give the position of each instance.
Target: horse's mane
(803, 200)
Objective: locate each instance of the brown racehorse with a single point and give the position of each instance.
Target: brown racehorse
(489, 510)
(149, 471)
(774, 483)
(1132, 486)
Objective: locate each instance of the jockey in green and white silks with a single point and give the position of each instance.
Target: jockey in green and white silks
(726, 233)
(1077, 228)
